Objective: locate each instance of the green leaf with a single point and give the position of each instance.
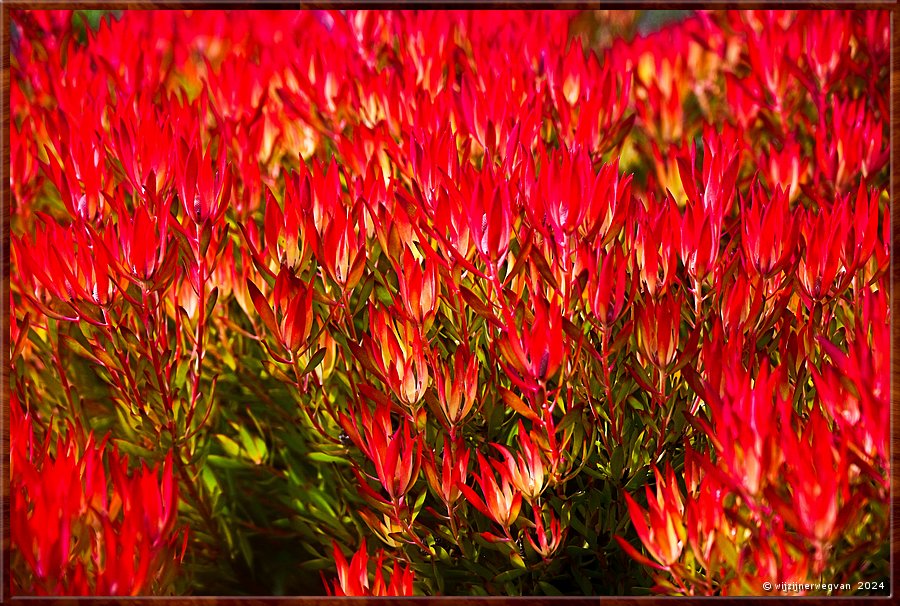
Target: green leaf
(383, 295)
(418, 504)
(548, 589)
(181, 374)
(246, 550)
(320, 501)
(314, 361)
(211, 302)
(231, 448)
(317, 564)
(225, 462)
(516, 559)
(254, 446)
(321, 457)
(136, 451)
(509, 575)
(365, 291)
(617, 462)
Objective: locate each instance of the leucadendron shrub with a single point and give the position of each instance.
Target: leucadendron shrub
(449, 303)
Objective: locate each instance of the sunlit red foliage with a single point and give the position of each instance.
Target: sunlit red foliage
(542, 302)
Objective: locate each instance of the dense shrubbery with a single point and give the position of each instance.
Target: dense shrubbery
(449, 303)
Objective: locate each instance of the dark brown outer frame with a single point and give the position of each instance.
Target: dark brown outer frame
(5, 205)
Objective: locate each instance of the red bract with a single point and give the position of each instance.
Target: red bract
(535, 353)
(721, 161)
(700, 234)
(205, 186)
(288, 232)
(453, 471)
(397, 455)
(525, 470)
(62, 500)
(705, 512)
(656, 245)
(560, 197)
(609, 203)
(502, 501)
(343, 246)
(777, 558)
(860, 218)
(817, 271)
(457, 390)
(771, 50)
(397, 350)
(292, 320)
(590, 98)
(785, 168)
(855, 144)
(143, 250)
(821, 493)
(740, 304)
(353, 578)
(71, 281)
(296, 242)
(746, 426)
(144, 142)
(660, 527)
(80, 174)
(854, 387)
(418, 288)
(490, 217)
(26, 179)
(608, 287)
(825, 43)
(548, 539)
(768, 232)
(658, 328)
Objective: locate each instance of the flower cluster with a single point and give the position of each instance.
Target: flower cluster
(77, 530)
(538, 302)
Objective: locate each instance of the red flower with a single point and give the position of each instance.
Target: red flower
(353, 578)
(819, 503)
(525, 473)
(397, 350)
(288, 233)
(851, 144)
(699, 242)
(397, 455)
(786, 168)
(502, 501)
(608, 286)
(658, 327)
(205, 191)
(453, 472)
(63, 502)
(457, 391)
(661, 527)
(860, 218)
(535, 355)
(490, 217)
(549, 539)
(70, 276)
(745, 426)
(292, 320)
(768, 232)
(419, 288)
(342, 246)
(820, 263)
